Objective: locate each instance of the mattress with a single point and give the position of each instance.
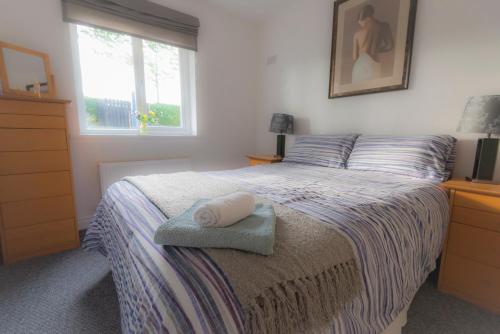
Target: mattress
(395, 224)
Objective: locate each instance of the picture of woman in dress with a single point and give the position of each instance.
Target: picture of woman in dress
(373, 38)
(372, 44)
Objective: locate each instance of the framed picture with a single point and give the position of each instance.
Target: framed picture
(372, 46)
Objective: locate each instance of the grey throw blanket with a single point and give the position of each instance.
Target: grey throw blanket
(298, 289)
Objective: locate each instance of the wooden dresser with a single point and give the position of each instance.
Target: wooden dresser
(470, 266)
(37, 214)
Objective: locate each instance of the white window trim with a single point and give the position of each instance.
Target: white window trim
(188, 93)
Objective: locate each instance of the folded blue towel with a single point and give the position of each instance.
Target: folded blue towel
(253, 234)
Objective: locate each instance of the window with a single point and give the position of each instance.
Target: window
(128, 85)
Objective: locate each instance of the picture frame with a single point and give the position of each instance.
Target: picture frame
(372, 44)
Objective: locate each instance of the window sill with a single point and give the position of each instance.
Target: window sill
(150, 132)
(134, 134)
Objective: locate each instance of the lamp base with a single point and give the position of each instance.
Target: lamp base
(485, 161)
(280, 146)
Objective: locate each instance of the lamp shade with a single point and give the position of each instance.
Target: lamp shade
(481, 115)
(282, 123)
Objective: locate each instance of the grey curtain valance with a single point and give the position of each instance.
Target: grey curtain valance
(138, 18)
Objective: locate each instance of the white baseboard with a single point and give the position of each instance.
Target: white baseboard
(84, 222)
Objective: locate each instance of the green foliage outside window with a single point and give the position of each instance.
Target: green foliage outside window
(164, 114)
(167, 114)
(91, 109)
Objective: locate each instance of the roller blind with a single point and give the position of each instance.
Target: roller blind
(139, 18)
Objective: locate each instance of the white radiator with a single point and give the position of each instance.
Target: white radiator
(111, 172)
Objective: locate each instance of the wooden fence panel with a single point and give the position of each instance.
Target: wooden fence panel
(114, 113)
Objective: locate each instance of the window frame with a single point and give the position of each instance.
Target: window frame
(187, 68)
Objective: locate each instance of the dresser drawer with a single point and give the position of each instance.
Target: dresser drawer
(477, 201)
(33, 162)
(12, 140)
(39, 240)
(24, 213)
(473, 281)
(475, 244)
(31, 108)
(32, 186)
(31, 122)
(482, 219)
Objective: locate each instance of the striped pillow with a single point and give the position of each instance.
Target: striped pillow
(326, 151)
(427, 157)
(450, 163)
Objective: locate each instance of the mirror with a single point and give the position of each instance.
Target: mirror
(25, 72)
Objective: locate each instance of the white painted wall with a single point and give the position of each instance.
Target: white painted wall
(456, 55)
(226, 92)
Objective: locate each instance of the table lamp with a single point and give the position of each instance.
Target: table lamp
(482, 115)
(281, 124)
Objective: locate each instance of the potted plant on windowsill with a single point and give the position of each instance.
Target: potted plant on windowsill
(146, 119)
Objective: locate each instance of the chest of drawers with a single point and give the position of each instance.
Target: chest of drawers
(37, 214)
(470, 267)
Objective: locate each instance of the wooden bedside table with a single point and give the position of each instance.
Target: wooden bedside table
(470, 266)
(263, 159)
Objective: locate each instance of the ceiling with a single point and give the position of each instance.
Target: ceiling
(258, 10)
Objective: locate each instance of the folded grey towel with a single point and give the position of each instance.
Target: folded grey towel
(253, 234)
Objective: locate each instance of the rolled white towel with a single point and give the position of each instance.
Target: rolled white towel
(225, 210)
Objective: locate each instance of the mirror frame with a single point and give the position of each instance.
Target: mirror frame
(7, 90)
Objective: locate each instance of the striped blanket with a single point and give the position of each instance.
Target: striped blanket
(395, 224)
(300, 288)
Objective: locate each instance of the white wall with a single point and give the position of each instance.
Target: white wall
(456, 55)
(226, 92)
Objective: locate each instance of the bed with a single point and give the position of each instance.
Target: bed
(395, 224)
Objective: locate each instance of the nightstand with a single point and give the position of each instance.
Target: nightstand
(263, 159)
(470, 266)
